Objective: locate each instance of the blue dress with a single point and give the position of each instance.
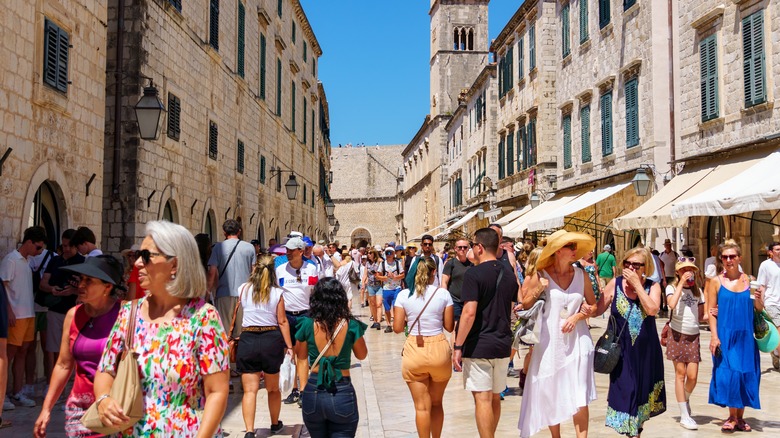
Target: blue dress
(636, 385)
(736, 373)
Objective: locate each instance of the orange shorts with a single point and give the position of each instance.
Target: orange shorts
(433, 360)
(23, 331)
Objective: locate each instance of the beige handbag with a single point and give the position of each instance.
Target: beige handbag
(126, 389)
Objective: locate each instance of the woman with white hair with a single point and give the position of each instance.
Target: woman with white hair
(181, 346)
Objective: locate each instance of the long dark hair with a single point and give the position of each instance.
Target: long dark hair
(328, 305)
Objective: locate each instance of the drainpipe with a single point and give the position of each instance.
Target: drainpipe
(672, 152)
(119, 73)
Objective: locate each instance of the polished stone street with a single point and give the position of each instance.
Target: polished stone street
(386, 408)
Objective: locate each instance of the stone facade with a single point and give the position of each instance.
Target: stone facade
(367, 192)
(51, 117)
(736, 128)
(196, 175)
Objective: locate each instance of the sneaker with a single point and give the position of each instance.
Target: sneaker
(775, 360)
(370, 318)
(28, 391)
(300, 403)
(388, 329)
(502, 394)
(510, 371)
(7, 405)
(276, 428)
(688, 423)
(250, 434)
(293, 397)
(21, 400)
(376, 326)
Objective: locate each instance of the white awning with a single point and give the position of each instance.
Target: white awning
(460, 222)
(512, 215)
(432, 231)
(657, 211)
(556, 218)
(755, 188)
(515, 228)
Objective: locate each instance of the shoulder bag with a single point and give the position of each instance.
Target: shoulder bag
(126, 389)
(233, 340)
(608, 352)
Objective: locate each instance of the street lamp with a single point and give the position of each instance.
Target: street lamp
(329, 207)
(291, 186)
(336, 227)
(148, 111)
(641, 181)
(534, 199)
(331, 220)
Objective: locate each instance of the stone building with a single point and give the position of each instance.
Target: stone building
(459, 41)
(52, 113)
(366, 190)
(245, 114)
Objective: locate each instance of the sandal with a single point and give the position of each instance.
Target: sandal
(729, 425)
(4, 424)
(743, 426)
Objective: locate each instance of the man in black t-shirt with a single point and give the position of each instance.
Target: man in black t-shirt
(452, 276)
(484, 341)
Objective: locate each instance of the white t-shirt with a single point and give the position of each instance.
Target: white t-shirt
(342, 275)
(94, 253)
(391, 268)
(685, 316)
(16, 271)
(327, 265)
(669, 259)
(297, 292)
(431, 322)
(259, 314)
(710, 272)
(769, 276)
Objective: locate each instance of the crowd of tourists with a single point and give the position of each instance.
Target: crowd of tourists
(184, 316)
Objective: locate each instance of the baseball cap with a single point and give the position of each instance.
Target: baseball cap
(399, 248)
(295, 234)
(389, 250)
(307, 241)
(294, 243)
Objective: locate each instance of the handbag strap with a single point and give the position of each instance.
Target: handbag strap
(43, 262)
(235, 312)
(325, 348)
(130, 333)
(230, 257)
(416, 320)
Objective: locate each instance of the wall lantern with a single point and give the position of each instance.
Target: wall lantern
(641, 182)
(148, 111)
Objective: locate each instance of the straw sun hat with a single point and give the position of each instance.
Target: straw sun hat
(559, 239)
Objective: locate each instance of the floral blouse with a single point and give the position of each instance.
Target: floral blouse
(173, 357)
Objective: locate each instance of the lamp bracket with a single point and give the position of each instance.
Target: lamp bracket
(89, 183)
(5, 157)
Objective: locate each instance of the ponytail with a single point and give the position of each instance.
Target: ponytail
(425, 268)
(262, 279)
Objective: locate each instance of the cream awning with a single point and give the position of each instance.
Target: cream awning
(556, 218)
(657, 211)
(432, 232)
(755, 188)
(460, 222)
(512, 215)
(515, 228)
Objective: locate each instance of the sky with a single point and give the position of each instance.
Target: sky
(375, 65)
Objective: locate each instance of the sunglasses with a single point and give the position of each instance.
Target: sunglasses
(298, 273)
(147, 255)
(728, 256)
(462, 248)
(427, 244)
(686, 259)
(632, 265)
(572, 246)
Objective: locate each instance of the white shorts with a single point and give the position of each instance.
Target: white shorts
(483, 375)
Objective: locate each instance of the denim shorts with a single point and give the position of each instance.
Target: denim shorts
(327, 414)
(374, 290)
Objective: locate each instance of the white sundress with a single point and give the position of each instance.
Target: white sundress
(560, 377)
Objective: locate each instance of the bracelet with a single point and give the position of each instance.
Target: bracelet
(457, 347)
(100, 399)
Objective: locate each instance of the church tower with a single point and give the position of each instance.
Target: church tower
(459, 50)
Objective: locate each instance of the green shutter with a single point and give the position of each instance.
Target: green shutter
(520, 59)
(262, 169)
(565, 40)
(628, 3)
(305, 50)
(606, 124)
(584, 21)
(531, 139)
(278, 87)
(305, 192)
(174, 117)
(510, 153)
(55, 58)
(519, 147)
(753, 63)
(214, 25)
(708, 80)
(510, 74)
(500, 77)
(305, 120)
(292, 101)
(604, 13)
(240, 157)
(532, 47)
(240, 55)
(293, 32)
(566, 141)
(213, 140)
(632, 113)
(313, 123)
(279, 7)
(501, 168)
(262, 66)
(176, 4)
(585, 133)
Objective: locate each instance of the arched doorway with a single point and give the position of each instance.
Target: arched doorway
(45, 211)
(760, 235)
(609, 239)
(360, 237)
(634, 239)
(716, 230)
(261, 235)
(209, 225)
(169, 212)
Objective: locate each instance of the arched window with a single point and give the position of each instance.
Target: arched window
(209, 227)
(45, 212)
(609, 239)
(760, 234)
(716, 231)
(471, 39)
(168, 212)
(455, 39)
(463, 39)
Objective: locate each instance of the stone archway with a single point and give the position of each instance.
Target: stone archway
(51, 177)
(360, 237)
(46, 210)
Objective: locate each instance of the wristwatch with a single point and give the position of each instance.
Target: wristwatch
(457, 347)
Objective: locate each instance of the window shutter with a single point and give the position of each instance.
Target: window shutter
(174, 117)
(519, 157)
(585, 133)
(278, 87)
(305, 120)
(262, 66)
(240, 55)
(312, 130)
(567, 141)
(500, 77)
(510, 70)
(520, 59)
(305, 194)
(632, 113)
(604, 13)
(531, 142)
(708, 60)
(214, 25)
(62, 60)
(628, 3)
(501, 171)
(293, 32)
(606, 124)
(262, 169)
(240, 157)
(532, 47)
(176, 4)
(279, 7)
(510, 153)
(55, 59)
(292, 101)
(565, 41)
(753, 63)
(213, 141)
(305, 49)
(584, 21)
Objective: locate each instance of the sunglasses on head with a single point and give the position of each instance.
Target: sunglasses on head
(728, 256)
(632, 265)
(147, 255)
(686, 259)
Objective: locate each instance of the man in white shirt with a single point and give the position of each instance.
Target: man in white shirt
(16, 275)
(769, 277)
(85, 242)
(669, 258)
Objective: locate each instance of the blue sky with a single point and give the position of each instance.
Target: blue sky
(375, 64)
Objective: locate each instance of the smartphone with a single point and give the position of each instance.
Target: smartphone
(717, 351)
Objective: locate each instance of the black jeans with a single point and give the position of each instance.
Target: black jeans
(330, 415)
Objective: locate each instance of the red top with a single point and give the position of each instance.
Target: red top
(139, 291)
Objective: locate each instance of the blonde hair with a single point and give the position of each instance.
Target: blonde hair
(425, 268)
(647, 259)
(263, 277)
(729, 244)
(533, 257)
